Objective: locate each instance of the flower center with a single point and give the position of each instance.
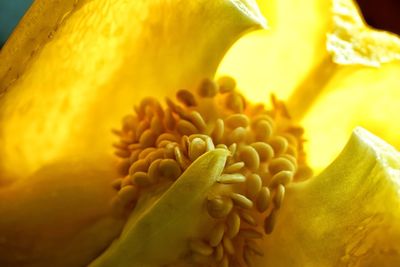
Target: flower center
(157, 144)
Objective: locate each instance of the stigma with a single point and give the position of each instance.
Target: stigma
(158, 142)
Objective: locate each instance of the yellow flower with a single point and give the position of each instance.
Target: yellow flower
(72, 70)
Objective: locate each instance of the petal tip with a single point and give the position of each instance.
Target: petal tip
(251, 10)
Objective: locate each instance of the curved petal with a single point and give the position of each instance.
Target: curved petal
(102, 58)
(92, 61)
(353, 42)
(276, 61)
(159, 229)
(363, 89)
(318, 55)
(346, 216)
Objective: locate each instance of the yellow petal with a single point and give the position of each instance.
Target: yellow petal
(159, 229)
(54, 219)
(346, 216)
(353, 42)
(61, 95)
(317, 56)
(361, 91)
(366, 97)
(100, 58)
(277, 60)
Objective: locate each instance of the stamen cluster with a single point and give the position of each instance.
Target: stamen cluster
(156, 145)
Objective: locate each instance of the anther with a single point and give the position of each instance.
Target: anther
(235, 167)
(185, 127)
(282, 177)
(237, 120)
(139, 165)
(217, 234)
(279, 195)
(264, 150)
(233, 225)
(262, 130)
(169, 120)
(200, 247)
(186, 98)
(197, 121)
(238, 135)
(128, 194)
(219, 252)
(148, 138)
(140, 179)
(250, 233)
(226, 84)
(253, 246)
(241, 201)
(116, 184)
(196, 148)
(280, 164)
(248, 257)
(143, 154)
(263, 199)
(250, 157)
(279, 144)
(254, 184)
(234, 102)
(207, 88)
(269, 222)
(154, 171)
(247, 218)
(228, 246)
(219, 207)
(231, 178)
(218, 131)
(170, 169)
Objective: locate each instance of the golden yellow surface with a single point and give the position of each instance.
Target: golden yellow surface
(335, 72)
(73, 68)
(67, 76)
(346, 216)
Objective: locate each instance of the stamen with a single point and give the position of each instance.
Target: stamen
(217, 234)
(233, 225)
(156, 145)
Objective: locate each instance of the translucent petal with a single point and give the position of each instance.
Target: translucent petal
(277, 60)
(353, 42)
(61, 94)
(361, 91)
(99, 58)
(355, 96)
(346, 216)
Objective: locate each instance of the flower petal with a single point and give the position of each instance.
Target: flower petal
(367, 96)
(159, 229)
(99, 59)
(61, 94)
(353, 42)
(355, 96)
(346, 216)
(277, 60)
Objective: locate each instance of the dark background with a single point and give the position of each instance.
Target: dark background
(381, 14)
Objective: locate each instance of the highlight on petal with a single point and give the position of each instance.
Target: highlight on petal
(346, 216)
(353, 42)
(344, 89)
(98, 59)
(162, 223)
(364, 83)
(277, 60)
(103, 57)
(250, 8)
